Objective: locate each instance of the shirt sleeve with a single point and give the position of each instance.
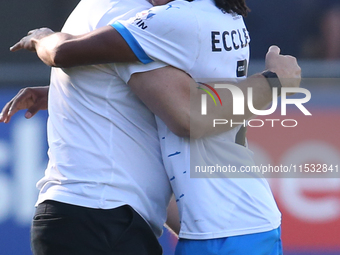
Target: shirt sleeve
(167, 34)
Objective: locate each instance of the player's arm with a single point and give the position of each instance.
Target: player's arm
(118, 42)
(173, 96)
(103, 45)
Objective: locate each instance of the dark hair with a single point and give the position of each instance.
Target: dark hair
(237, 6)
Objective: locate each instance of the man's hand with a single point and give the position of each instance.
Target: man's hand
(286, 67)
(31, 98)
(29, 42)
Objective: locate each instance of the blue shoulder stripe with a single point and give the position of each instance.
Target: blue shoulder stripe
(132, 42)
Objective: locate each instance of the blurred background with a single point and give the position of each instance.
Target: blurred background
(307, 29)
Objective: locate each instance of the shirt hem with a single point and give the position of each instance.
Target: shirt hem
(78, 201)
(222, 234)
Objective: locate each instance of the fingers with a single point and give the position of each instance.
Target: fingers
(34, 109)
(32, 31)
(20, 45)
(39, 30)
(273, 53)
(21, 101)
(274, 49)
(4, 112)
(285, 66)
(29, 42)
(31, 98)
(16, 47)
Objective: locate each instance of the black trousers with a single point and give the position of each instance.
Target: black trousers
(64, 229)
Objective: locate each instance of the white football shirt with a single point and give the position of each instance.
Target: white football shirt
(104, 147)
(208, 44)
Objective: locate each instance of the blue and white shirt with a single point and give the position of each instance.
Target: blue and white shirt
(208, 44)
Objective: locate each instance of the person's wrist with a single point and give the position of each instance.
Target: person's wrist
(273, 80)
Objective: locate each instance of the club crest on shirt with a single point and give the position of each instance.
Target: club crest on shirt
(142, 17)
